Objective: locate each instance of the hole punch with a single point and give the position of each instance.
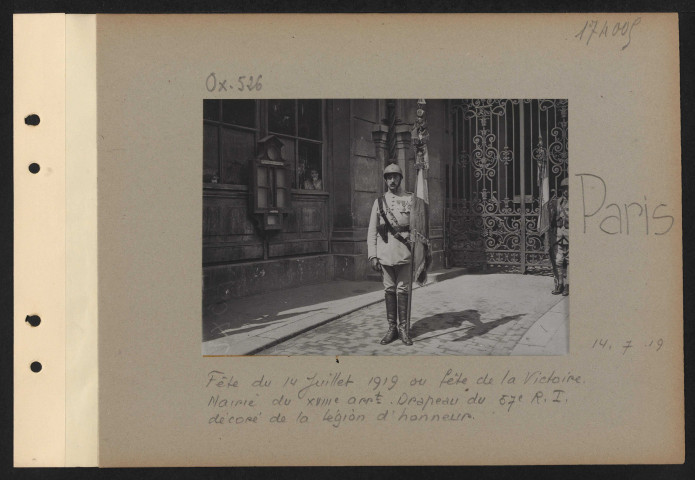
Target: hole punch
(33, 320)
(36, 367)
(32, 120)
(34, 168)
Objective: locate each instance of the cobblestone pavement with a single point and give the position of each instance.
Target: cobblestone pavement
(468, 315)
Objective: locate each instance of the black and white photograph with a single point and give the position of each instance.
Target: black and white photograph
(379, 252)
(385, 227)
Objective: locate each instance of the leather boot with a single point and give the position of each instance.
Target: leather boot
(392, 333)
(403, 330)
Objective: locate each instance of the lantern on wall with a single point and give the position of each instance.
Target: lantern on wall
(271, 184)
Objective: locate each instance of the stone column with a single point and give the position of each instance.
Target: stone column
(381, 147)
(404, 156)
(359, 153)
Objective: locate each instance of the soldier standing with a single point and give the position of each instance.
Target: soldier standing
(559, 240)
(389, 252)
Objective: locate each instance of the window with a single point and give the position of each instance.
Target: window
(299, 125)
(232, 129)
(230, 133)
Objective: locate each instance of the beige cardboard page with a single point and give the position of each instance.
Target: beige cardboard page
(155, 392)
(617, 397)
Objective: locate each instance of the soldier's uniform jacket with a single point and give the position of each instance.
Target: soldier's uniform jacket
(559, 218)
(381, 242)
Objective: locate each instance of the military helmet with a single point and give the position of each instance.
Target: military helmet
(564, 183)
(393, 168)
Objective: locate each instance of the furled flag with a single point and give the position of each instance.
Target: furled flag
(544, 190)
(419, 223)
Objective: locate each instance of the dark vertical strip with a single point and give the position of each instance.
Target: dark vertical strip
(327, 172)
(391, 135)
(550, 140)
(452, 160)
(506, 144)
(517, 149)
(296, 145)
(522, 170)
(471, 136)
(497, 153)
(457, 166)
(219, 142)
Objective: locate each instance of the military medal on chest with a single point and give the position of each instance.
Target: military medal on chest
(403, 207)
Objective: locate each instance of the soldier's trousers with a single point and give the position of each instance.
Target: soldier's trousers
(396, 277)
(560, 255)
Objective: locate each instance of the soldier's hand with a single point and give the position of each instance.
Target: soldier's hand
(376, 266)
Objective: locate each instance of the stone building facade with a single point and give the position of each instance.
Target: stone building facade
(335, 151)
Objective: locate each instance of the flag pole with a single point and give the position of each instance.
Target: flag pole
(410, 283)
(419, 137)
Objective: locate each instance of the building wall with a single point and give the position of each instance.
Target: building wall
(238, 260)
(324, 237)
(356, 182)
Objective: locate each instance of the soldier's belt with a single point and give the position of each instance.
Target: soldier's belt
(383, 229)
(387, 227)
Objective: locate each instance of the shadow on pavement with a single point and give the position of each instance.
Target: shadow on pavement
(443, 321)
(243, 315)
(448, 320)
(479, 328)
(215, 329)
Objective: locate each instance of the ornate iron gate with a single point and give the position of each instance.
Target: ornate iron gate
(492, 184)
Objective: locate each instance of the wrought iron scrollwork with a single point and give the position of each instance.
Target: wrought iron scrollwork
(493, 199)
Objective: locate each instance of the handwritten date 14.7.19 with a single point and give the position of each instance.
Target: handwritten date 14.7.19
(624, 346)
(242, 83)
